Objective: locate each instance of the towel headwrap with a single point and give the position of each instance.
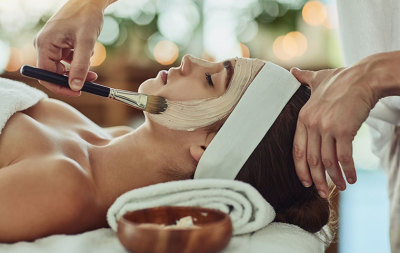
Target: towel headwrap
(248, 123)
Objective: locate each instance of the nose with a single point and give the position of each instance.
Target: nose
(189, 62)
(186, 64)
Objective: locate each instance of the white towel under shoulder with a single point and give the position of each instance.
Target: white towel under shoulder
(16, 96)
(248, 210)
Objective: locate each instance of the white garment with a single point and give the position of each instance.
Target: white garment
(248, 210)
(16, 96)
(368, 27)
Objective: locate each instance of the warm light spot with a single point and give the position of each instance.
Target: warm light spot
(99, 55)
(279, 50)
(295, 44)
(28, 51)
(166, 52)
(314, 13)
(16, 60)
(291, 45)
(245, 50)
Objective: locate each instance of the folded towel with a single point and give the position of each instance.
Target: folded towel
(16, 96)
(248, 210)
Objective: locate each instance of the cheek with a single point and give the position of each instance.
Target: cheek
(185, 90)
(149, 87)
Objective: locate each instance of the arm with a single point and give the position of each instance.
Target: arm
(341, 101)
(70, 36)
(44, 196)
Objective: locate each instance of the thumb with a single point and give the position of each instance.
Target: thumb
(305, 77)
(80, 64)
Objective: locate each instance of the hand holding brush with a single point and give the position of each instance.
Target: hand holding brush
(148, 103)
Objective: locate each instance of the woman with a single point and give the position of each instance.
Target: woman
(61, 174)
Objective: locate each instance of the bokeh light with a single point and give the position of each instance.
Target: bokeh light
(29, 54)
(314, 13)
(5, 55)
(15, 61)
(248, 31)
(110, 31)
(245, 50)
(166, 52)
(99, 55)
(279, 50)
(178, 22)
(146, 15)
(293, 44)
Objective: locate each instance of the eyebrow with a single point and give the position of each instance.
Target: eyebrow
(229, 68)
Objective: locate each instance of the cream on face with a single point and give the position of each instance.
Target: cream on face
(194, 114)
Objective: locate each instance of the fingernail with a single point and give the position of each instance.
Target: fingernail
(76, 84)
(340, 187)
(322, 194)
(350, 180)
(294, 69)
(306, 183)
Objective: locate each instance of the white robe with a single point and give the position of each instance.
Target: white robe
(368, 27)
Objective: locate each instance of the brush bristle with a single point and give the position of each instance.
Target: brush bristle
(156, 104)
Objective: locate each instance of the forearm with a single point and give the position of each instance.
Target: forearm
(99, 5)
(382, 73)
(103, 3)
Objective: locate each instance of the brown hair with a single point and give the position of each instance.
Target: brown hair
(270, 169)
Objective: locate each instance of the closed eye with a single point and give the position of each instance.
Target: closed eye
(209, 79)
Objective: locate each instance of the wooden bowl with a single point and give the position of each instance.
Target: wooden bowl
(142, 231)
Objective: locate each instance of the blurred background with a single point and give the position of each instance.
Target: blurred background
(141, 37)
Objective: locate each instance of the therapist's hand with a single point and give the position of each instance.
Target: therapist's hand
(340, 102)
(69, 36)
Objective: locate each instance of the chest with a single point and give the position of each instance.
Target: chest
(49, 128)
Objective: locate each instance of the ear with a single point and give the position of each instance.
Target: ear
(197, 150)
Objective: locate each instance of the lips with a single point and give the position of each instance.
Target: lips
(164, 76)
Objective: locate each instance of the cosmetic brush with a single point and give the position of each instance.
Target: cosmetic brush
(148, 103)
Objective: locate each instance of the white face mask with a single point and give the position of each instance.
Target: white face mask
(194, 114)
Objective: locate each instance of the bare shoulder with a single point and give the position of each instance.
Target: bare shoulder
(52, 195)
(118, 130)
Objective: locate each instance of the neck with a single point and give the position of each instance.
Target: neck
(136, 159)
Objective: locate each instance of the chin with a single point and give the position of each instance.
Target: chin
(148, 87)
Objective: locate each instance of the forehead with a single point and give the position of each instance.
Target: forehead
(246, 70)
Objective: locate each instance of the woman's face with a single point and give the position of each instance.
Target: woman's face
(200, 93)
(194, 79)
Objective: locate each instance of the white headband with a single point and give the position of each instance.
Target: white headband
(248, 123)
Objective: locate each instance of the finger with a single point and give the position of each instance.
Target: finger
(305, 77)
(314, 162)
(345, 156)
(299, 155)
(48, 57)
(67, 55)
(91, 76)
(80, 63)
(329, 160)
(57, 89)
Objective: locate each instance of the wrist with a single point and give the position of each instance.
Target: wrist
(382, 74)
(102, 3)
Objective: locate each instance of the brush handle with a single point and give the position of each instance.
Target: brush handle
(62, 80)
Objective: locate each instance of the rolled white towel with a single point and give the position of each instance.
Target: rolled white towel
(248, 210)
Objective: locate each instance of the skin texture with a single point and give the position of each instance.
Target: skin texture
(61, 174)
(340, 102)
(69, 36)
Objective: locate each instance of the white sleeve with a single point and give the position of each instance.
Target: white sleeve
(369, 27)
